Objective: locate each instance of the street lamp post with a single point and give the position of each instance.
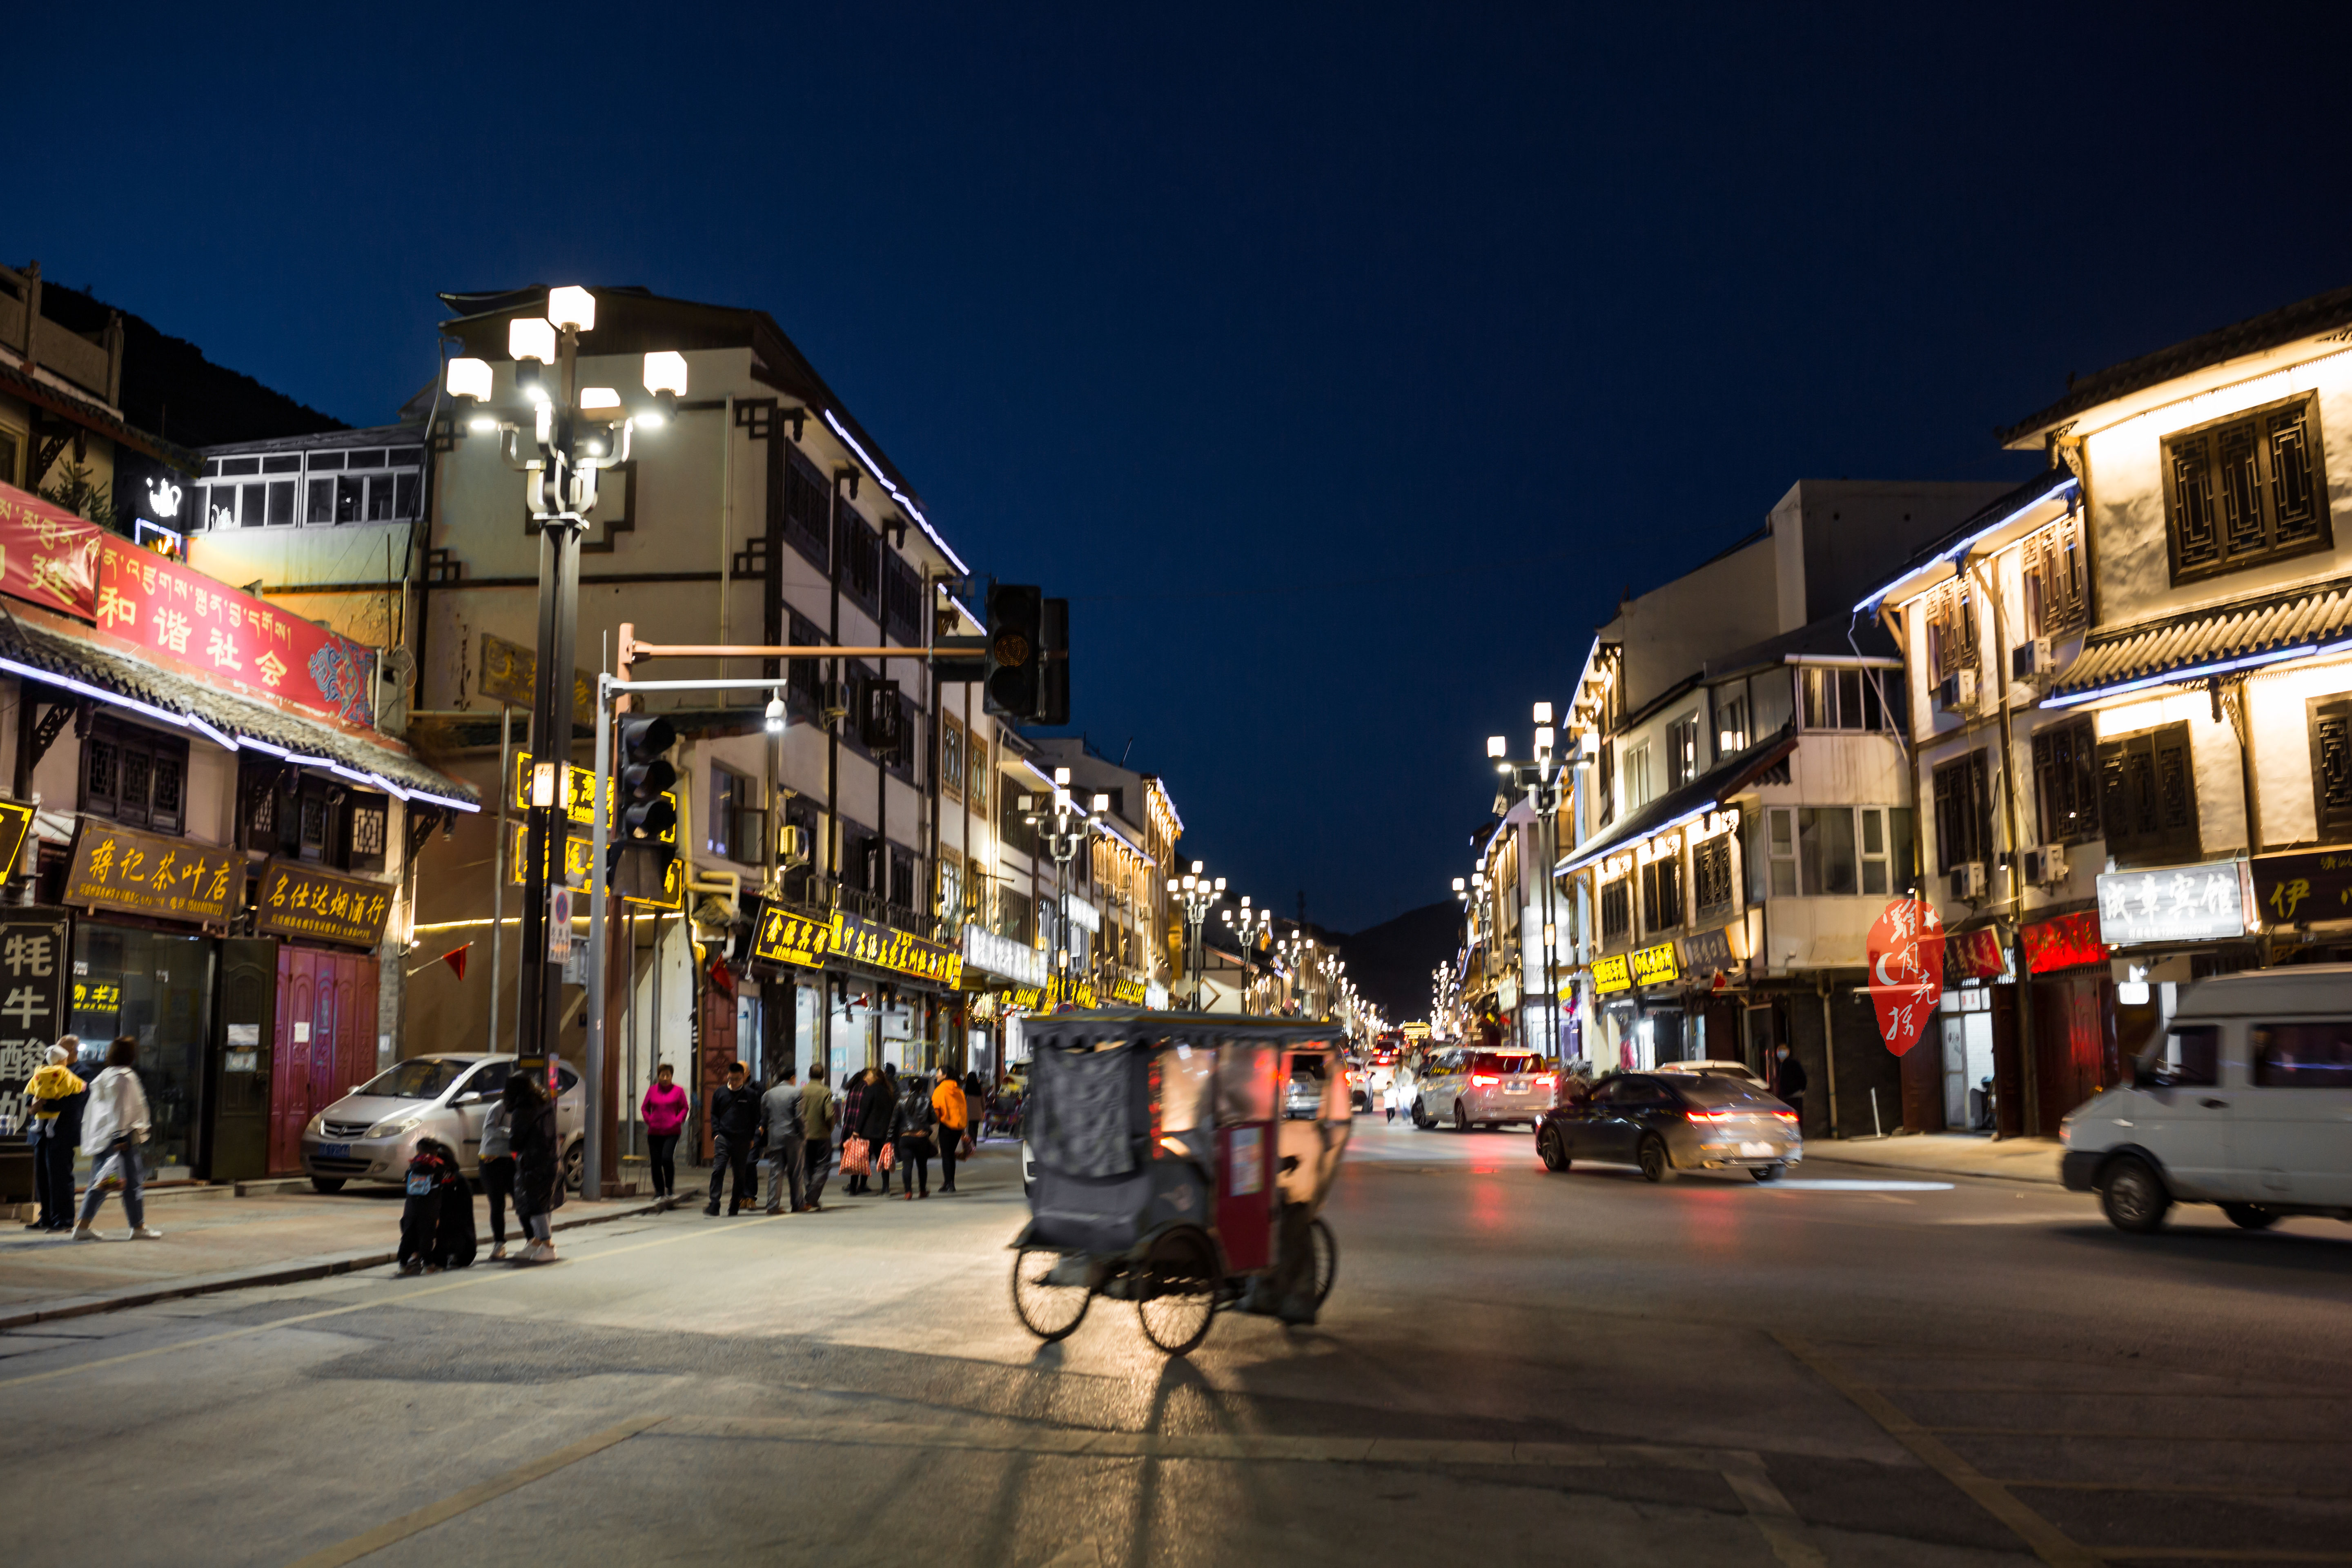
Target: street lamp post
(1199, 895)
(1066, 831)
(575, 433)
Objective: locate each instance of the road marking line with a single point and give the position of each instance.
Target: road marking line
(2141, 1436)
(472, 1498)
(1769, 1510)
(2049, 1543)
(489, 1277)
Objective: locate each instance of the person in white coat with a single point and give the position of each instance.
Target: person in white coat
(112, 1129)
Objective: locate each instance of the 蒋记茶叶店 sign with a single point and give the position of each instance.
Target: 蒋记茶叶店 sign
(145, 874)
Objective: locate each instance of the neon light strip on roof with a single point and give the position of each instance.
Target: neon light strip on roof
(1566, 869)
(227, 741)
(1962, 548)
(2175, 677)
(904, 505)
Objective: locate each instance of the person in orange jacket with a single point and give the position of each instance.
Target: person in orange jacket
(948, 1102)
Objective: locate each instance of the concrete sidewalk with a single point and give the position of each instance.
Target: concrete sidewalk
(1947, 1154)
(226, 1242)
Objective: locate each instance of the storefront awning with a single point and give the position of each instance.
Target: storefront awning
(2301, 623)
(1693, 800)
(37, 647)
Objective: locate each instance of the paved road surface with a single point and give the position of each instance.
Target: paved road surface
(1515, 1367)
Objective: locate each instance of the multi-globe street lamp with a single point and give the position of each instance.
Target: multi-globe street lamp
(1198, 895)
(1066, 830)
(574, 434)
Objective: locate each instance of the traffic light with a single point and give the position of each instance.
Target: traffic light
(1015, 649)
(645, 829)
(1054, 663)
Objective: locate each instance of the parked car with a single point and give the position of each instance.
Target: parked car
(371, 1133)
(2246, 1102)
(1302, 1095)
(1711, 1069)
(1665, 1122)
(1484, 1089)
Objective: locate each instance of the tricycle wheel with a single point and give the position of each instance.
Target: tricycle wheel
(1326, 1261)
(1047, 1308)
(1181, 1292)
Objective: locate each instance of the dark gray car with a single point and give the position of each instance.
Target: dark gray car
(1663, 1125)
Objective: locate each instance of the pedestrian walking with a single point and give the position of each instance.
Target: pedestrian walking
(113, 1126)
(495, 1159)
(817, 1134)
(878, 1119)
(1789, 1083)
(914, 1125)
(431, 1171)
(664, 1109)
(539, 1181)
(854, 1162)
(1392, 1094)
(58, 1094)
(780, 1133)
(948, 1105)
(975, 1109)
(734, 1117)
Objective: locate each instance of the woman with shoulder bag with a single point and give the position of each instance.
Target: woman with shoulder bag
(915, 1122)
(497, 1161)
(113, 1129)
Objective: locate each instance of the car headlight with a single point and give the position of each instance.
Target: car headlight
(318, 1124)
(395, 1126)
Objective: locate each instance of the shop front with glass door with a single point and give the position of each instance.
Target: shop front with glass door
(155, 987)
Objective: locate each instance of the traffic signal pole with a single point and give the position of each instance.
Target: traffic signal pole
(600, 894)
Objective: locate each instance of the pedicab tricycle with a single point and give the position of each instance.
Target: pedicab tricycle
(1167, 1174)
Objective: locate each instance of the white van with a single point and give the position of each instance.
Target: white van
(2245, 1102)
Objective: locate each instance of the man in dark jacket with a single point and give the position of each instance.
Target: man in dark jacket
(734, 1113)
(1788, 1082)
(779, 1139)
(877, 1117)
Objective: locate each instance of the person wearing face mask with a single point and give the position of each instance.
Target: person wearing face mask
(1789, 1081)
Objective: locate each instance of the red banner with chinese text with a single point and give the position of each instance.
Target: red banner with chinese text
(48, 555)
(177, 617)
(1975, 956)
(1905, 952)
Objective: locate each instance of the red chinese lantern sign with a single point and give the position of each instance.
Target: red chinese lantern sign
(1905, 951)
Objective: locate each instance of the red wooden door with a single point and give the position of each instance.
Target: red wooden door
(290, 1057)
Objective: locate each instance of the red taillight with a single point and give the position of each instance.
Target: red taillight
(1546, 1082)
(1482, 1077)
(1786, 1115)
(1717, 1116)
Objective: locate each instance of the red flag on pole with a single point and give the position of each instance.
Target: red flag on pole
(456, 959)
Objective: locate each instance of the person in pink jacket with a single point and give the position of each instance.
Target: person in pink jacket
(664, 1107)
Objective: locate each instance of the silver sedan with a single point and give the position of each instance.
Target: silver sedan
(1664, 1123)
(372, 1133)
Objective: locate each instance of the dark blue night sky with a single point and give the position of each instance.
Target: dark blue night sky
(1342, 366)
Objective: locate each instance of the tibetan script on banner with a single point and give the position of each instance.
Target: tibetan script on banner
(296, 900)
(119, 869)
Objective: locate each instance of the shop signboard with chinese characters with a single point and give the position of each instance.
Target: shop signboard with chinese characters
(2069, 941)
(15, 821)
(788, 937)
(301, 901)
(34, 947)
(2304, 887)
(1709, 953)
(1003, 956)
(1979, 954)
(578, 846)
(1905, 950)
(144, 874)
(2176, 904)
(1656, 965)
(1613, 975)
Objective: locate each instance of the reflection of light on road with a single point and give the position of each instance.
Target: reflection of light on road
(1785, 1185)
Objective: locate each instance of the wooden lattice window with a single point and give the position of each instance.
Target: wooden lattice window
(1661, 892)
(2148, 796)
(1963, 812)
(1952, 629)
(2331, 766)
(807, 504)
(2246, 489)
(2066, 782)
(1617, 910)
(1711, 872)
(2057, 597)
(135, 776)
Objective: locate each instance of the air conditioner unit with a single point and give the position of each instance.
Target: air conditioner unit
(833, 699)
(2029, 661)
(2045, 865)
(791, 846)
(1958, 694)
(1968, 882)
